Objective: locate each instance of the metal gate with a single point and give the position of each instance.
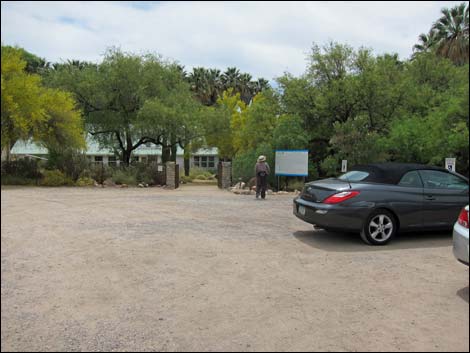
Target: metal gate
(219, 175)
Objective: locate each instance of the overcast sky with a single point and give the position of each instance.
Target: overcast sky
(263, 39)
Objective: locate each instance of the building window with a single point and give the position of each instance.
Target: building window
(112, 161)
(196, 161)
(98, 159)
(211, 162)
(204, 162)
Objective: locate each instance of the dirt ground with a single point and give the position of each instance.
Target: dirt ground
(200, 269)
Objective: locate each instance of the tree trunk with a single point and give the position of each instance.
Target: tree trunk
(186, 165)
(126, 157)
(174, 149)
(165, 154)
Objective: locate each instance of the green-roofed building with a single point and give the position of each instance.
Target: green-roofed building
(206, 158)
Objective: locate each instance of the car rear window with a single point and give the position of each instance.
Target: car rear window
(354, 175)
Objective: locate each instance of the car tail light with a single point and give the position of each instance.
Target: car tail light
(341, 196)
(463, 218)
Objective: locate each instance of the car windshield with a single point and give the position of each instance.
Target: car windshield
(354, 175)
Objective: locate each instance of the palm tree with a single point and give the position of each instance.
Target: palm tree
(214, 83)
(231, 79)
(452, 34)
(246, 88)
(426, 42)
(206, 84)
(260, 85)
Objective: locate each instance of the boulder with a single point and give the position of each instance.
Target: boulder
(109, 182)
(124, 186)
(240, 185)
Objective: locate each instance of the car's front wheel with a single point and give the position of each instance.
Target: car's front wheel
(379, 228)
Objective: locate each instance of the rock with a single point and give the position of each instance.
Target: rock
(146, 185)
(240, 185)
(253, 188)
(141, 185)
(252, 183)
(95, 183)
(109, 182)
(124, 186)
(297, 192)
(269, 192)
(245, 192)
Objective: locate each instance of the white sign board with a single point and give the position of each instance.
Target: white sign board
(292, 162)
(450, 164)
(344, 166)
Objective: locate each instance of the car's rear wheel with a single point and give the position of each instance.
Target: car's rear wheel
(379, 228)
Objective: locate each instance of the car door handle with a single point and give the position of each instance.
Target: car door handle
(429, 197)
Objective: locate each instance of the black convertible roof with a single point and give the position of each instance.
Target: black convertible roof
(391, 173)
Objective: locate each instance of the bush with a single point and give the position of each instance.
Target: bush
(125, 176)
(17, 180)
(145, 173)
(55, 178)
(295, 185)
(244, 164)
(22, 169)
(200, 173)
(85, 181)
(71, 162)
(98, 172)
(186, 179)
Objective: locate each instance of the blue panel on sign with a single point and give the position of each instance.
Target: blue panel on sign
(291, 150)
(285, 174)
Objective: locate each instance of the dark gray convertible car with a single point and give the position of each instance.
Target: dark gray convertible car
(378, 200)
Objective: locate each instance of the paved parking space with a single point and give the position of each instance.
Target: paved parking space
(202, 269)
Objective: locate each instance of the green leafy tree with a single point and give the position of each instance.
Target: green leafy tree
(31, 111)
(130, 100)
(289, 133)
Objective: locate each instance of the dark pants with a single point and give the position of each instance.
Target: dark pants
(261, 185)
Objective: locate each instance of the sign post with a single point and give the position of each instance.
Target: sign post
(450, 164)
(344, 166)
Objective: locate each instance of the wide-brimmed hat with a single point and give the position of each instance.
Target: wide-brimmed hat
(261, 159)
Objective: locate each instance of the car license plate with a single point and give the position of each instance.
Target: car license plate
(302, 210)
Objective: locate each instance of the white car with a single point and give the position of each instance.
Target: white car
(461, 237)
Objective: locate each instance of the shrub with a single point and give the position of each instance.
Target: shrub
(201, 177)
(22, 169)
(244, 163)
(145, 173)
(186, 179)
(125, 176)
(85, 181)
(71, 162)
(196, 171)
(55, 178)
(17, 180)
(295, 185)
(98, 172)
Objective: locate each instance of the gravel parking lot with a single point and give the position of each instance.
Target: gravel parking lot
(200, 269)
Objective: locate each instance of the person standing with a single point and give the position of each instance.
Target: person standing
(261, 171)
